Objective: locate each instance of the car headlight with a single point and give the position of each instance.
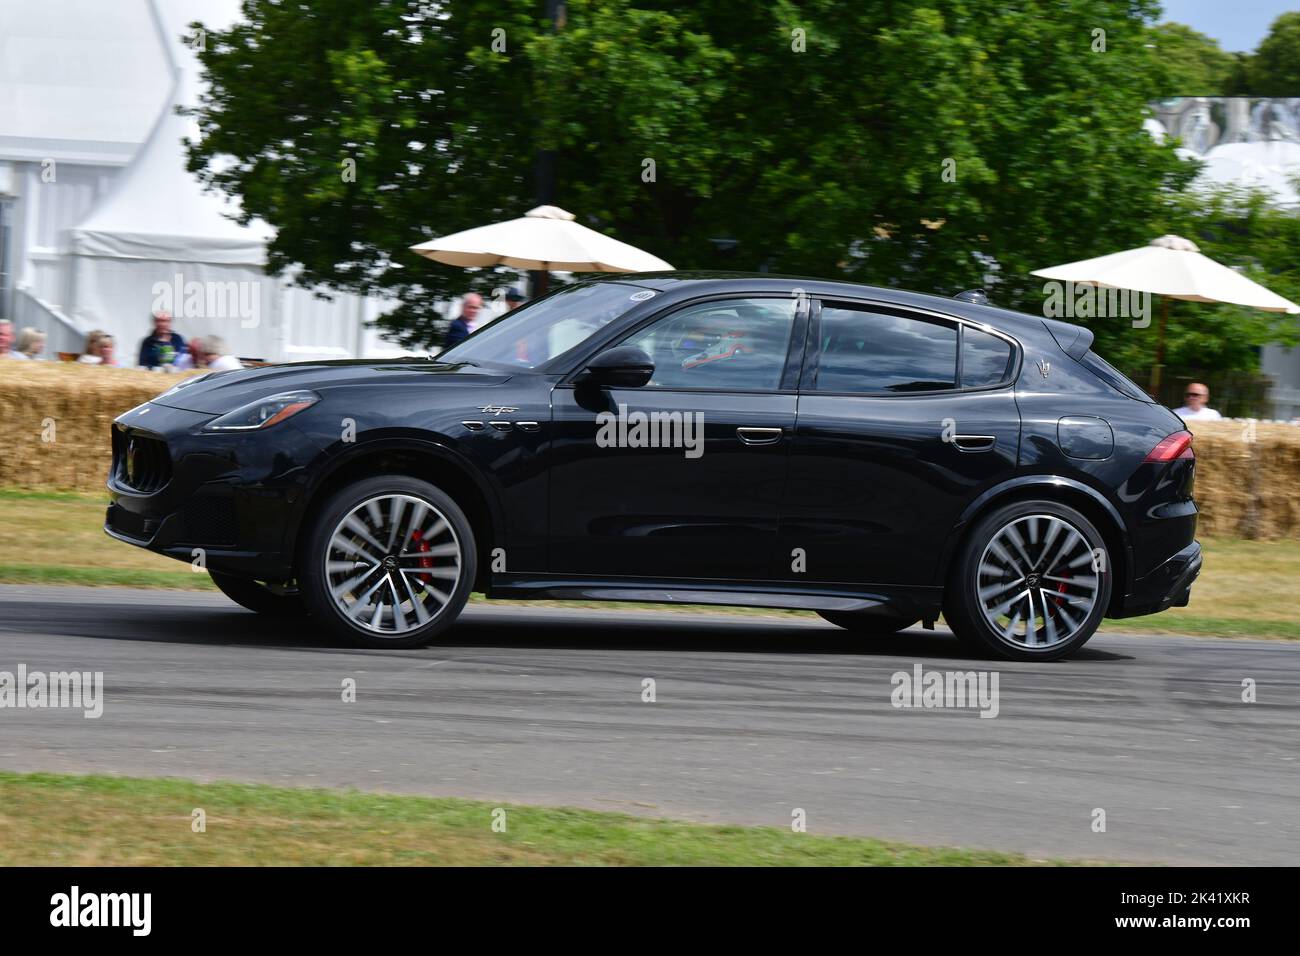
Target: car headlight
(263, 413)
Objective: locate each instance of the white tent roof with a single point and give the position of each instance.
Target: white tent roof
(80, 80)
(1264, 164)
(158, 209)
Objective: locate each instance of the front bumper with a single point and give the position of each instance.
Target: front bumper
(226, 495)
(1169, 585)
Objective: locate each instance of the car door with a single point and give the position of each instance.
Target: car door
(904, 418)
(684, 476)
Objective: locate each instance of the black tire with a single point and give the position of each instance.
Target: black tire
(860, 622)
(314, 558)
(1072, 594)
(270, 600)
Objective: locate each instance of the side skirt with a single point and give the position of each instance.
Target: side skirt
(919, 602)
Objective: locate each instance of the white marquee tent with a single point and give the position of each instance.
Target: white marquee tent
(157, 240)
(153, 238)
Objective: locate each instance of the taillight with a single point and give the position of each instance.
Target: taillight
(1177, 445)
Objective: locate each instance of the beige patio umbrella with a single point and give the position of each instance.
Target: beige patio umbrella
(1173, 267)
(545, 239)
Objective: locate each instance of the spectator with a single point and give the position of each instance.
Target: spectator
(464, 325)
(1196, 396)
(94, 352)
(218, 356)
(108, 350)
(31, 343)
(196, 356)
(6, 338)
(162, 347)
(514, 299)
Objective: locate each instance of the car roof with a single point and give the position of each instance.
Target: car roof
(1020, 324)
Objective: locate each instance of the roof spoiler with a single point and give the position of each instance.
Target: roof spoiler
(1074, 340)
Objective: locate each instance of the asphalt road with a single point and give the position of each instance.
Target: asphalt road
(754, 717)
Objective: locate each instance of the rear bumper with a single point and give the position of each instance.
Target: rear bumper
(1169, 585)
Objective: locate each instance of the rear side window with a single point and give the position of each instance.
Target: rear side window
(1113, 377)
(985, 358)
(874, 352)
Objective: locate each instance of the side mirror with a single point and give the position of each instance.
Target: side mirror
(624, 367)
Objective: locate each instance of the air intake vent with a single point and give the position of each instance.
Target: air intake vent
(210, 519)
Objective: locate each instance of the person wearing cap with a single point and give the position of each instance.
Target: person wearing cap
(514, 299)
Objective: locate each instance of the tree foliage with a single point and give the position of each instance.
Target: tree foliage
(919, 145)
(1274, 70)
(1195, 64)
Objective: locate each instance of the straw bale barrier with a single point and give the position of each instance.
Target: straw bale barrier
(55, 418)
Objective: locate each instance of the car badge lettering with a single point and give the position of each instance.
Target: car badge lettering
(498, 409)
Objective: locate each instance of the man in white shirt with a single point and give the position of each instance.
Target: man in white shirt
(219, 357)
(1196, 396)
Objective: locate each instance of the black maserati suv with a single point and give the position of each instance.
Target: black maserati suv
(877, 456)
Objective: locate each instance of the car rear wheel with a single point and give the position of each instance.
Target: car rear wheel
(388, 562)
(862, 623)
(269, 598)
(1031, 582)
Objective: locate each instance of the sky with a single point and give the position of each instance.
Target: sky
(1238, 25)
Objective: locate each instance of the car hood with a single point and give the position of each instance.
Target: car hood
(221, 392)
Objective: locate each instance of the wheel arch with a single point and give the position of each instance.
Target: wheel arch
(1067, 491)
(416, 458)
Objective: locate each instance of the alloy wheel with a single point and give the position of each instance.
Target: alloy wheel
(1038, 581)
(392, 564)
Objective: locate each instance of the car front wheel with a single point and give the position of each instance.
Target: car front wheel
(388, 562)
(1031, 582)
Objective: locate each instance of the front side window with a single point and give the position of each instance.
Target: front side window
(533, 335)
(732, 344)
(875, 352)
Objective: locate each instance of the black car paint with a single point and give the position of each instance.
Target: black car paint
(864, 486)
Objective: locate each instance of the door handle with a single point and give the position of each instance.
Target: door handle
(759, 436)
(974, 442)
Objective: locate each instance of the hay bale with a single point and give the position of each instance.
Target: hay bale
(55, 420)
(1246, 478)
(1246, 475)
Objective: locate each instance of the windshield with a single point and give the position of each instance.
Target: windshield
(536, 333)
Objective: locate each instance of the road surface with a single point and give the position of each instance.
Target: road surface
(754, 718)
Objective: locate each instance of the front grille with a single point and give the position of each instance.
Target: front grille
(140, 463)
(210, 519)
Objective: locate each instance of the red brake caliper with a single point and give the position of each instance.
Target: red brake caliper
(1060, 588)
(417, 539)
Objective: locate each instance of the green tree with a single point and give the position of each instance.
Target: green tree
(915, 145)
(1196, 65)
(1275, 67)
